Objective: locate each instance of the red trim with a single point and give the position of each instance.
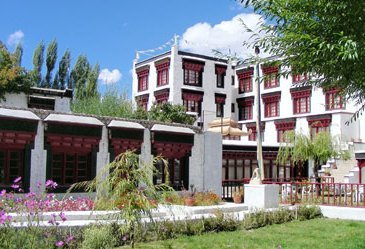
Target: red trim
(269, 69)
(246, 74)
(193, 66)
(163, 66)
(220, 99)
(285, 125)
(320, 122)
(144, 72)
(172, 150)
(16, 139)
(162, 95)
(61, 143)
(192, 96)
(300, 93)
(122, 145)
(274, 97)
(220, 69)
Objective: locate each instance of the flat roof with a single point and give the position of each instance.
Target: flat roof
(62, 118)
(173, 129)
(23, 114)
(125, 124)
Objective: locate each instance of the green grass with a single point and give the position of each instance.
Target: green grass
(318, 233)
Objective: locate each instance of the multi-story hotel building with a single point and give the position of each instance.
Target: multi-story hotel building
(212, 88)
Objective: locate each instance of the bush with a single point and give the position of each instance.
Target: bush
(308, 212)
(99, 237)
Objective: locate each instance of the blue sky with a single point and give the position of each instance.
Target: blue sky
(110, 31)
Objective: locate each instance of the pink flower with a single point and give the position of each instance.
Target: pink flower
(51, 184)
(62, 216)
(60, 244)
(69, 238)
(17, 179)
(3, 192)
(15, 186)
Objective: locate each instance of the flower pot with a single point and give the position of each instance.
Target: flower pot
(237, 199)
(189, 201)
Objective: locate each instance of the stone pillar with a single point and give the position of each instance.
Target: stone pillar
(146, 148)
(205, 170)
(103, 156)
(38, 161)
(259, 196)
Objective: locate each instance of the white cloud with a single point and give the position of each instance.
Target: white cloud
(226, 36)
(15, 38)
(109, 77)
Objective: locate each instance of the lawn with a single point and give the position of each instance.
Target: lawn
(318, 233)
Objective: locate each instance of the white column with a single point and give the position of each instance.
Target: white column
(38, 161)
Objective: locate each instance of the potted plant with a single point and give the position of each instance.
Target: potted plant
(189, 199)
(237, 195)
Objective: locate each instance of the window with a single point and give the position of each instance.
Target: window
(270, 74)
(282, 128)
(245, 80)
(193, 73)
(220, 71)
(245, 108)
(39, 102)
(162, 73)
(143, 79)
(68, 168)
(232, 107)
(334, 100)
(220, 100)
(192, 101)
(162, 96)
(271, 105)
(11, 165)
(301, 100)
(232, 80)
(317, 125)
(142, 101)
(251, 128)
(296, 78)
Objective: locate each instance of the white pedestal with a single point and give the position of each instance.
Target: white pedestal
(259, 196)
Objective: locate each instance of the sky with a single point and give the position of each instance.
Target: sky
(110, 32)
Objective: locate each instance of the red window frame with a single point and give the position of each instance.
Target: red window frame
(245, 108)
(142, 101)
(163, 73)
(270, 76)
(192, 101)
(319, 125)
(253, 134)
(333, 100)
(296, 78)
(301, 101)
(162, 96)
(143, 80)
(11, 165)
(272, 105)
(193, 73)
(283, 127)
(220, 71)
(245, 80)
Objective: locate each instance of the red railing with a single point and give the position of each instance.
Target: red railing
(333, 194)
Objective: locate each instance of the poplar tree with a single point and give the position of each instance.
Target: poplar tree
(63, 69)
(50, 61)
(37, 64)
(18, 54)
(79, 76)
(92, 82)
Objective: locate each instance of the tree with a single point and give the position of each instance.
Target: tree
(300, 148)
(37, 64)
(170, 113)
(50, 62)
(18, 54)
(63, 69)
(110, 104)
(324, 38)
(79, 76)
(13, 78)
(92, 82)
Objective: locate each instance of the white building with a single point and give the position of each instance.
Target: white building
(210, 88)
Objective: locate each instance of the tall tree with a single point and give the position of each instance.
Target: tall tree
(170, 113)
(50, 62)
(79, 76)
(13, 78)
(18, 54)
(63, 69)
(92, 82)
(321, 37)
(38, 58)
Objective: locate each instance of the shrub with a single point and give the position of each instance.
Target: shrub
(308, 212)
(99, 237)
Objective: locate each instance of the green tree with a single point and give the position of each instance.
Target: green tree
(92, 82)
(300, 148)
(110, 104)
(13, 78)
(322, 37)
(170, 113)
(79, 76)
(38, 58)
(63, 69)
(18, 54)
(50, 62)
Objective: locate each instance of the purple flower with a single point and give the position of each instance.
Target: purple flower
(4, 217)
(3, 192)
(15, 186)
(62, 216)
(51, 184)
(69, 238)
(17, 179)
(60, 244)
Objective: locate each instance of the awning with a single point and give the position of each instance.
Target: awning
(62, 118)
(125, 124)
(172, 129)
(11, 113)
(228, 131)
